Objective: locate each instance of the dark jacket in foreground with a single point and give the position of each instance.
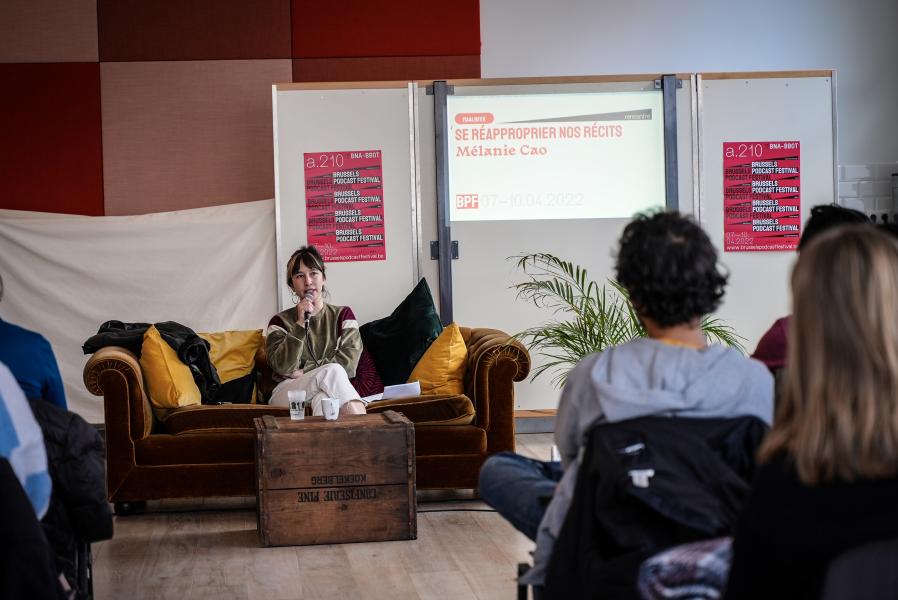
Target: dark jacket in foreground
(26, 561)
(79, 511)
(694, 481)
(791, 531)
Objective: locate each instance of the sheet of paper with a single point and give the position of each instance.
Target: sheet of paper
(369, 399)
(402, 390)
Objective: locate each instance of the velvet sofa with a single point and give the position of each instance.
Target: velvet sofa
(201, 451)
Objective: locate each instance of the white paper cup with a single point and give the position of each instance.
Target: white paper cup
(296, 399)
(331, 408)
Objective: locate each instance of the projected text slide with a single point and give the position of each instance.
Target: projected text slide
(555, 156)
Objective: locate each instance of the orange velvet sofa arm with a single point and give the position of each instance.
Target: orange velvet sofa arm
(495, 362)
(115, 374)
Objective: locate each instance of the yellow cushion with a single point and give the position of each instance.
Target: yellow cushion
(169, 382)
(442, 368)
(233, 353)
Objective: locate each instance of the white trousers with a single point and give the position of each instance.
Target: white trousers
(327, 381)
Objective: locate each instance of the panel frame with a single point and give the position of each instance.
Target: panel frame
(746, 279)
(371, 288)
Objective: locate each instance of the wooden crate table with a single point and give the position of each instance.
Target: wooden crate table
(330, 482)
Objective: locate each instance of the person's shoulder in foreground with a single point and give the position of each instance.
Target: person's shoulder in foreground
(791, 530)
(30, 357)
(648, 376)
(22, 443)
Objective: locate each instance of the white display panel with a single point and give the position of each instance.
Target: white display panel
(555, 156)
(763, 108)
(309, 120)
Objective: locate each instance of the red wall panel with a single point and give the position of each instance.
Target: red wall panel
(51, 156)
(138, 30)
(48, 31)
(355, 28)
(182, 90)
(386, 68)
(186, 134)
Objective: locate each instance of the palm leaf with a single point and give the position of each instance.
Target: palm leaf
(585, 317)
(718, 331)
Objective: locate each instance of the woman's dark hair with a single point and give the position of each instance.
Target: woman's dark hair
(668, 266)
(827, 216)
(307, 255)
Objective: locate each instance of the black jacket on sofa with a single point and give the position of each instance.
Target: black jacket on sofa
(646, 485)
(192, 350)
(79, 511)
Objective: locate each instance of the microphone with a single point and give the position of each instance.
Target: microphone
(308, 315)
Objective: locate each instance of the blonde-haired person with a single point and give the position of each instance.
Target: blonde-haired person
(828, 478)
(314, 346)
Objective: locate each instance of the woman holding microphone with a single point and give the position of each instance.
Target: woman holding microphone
(315, 346)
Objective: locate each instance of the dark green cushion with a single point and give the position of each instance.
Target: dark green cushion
(397, 342)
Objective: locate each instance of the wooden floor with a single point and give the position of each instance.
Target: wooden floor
(210, 549)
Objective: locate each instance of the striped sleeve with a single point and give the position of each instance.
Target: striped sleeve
(349, 342)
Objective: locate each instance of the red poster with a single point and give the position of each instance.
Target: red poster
(761, 196)
(345, 204)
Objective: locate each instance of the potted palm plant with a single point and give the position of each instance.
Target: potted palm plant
(587, 317)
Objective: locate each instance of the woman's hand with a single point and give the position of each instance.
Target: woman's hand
(305, 306)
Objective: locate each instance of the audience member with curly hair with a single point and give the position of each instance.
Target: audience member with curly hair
(669, 268)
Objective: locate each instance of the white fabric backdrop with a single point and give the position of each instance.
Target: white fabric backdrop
(212, 269)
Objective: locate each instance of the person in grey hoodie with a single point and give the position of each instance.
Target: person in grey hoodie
(668, 266)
